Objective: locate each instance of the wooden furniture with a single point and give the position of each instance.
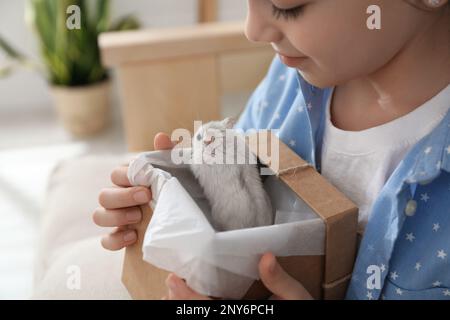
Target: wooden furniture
(207, 10)
(170, 77)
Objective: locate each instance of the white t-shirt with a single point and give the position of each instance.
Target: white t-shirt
(360, 162)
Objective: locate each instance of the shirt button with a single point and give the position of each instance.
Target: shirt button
(411, 207)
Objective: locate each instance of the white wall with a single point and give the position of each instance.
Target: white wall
(26, 90)
(22, 88)
(230, 10)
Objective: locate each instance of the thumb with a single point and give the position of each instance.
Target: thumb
(162, 141)
(178, 290)
(278, 281)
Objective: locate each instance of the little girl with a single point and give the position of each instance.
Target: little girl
(368, 107)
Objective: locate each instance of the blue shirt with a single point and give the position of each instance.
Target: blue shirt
(405, 250)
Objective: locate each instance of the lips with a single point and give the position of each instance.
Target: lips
(286, 55)
(291, 61)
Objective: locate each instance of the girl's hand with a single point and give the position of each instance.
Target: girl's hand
(281, 284)
(119, 206)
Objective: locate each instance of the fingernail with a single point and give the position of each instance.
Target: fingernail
(141, 197)
(134, 216)
(129, 236)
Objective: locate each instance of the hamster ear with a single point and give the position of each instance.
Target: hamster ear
(229, 122)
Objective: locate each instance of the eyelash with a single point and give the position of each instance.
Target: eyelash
(287, 14)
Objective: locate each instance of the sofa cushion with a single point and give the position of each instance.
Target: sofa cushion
(70, 241)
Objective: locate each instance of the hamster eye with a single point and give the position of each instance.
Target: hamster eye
(199, 137)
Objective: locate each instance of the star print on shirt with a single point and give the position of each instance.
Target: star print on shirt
(263, 104)
(424, 197)
(441, 254)
(393, 275)
(418, 266)
(428, 150)
(436, 284)
(410, 237)
(292, 143)
(436, 227)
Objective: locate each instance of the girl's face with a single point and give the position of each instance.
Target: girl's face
(329, 39)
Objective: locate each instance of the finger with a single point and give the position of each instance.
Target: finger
(119, 239)
(119, 177)
(117, 217)
(178, 290)
(162, 141)
(278, 281)
(115, 198)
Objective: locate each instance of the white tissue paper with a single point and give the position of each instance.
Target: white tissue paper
(180, 239)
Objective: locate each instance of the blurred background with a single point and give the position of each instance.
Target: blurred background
(41, 84)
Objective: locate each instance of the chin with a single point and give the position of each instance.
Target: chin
(318, 82)
(313, 80)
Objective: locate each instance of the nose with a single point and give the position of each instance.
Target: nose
(258, 25)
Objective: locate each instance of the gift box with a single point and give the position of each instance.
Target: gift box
(314, 235)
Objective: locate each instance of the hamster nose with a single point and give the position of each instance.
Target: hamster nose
(207, 142)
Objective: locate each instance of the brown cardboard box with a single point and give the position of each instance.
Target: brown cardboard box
(324, 276)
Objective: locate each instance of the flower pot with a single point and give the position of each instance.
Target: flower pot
(83, 110)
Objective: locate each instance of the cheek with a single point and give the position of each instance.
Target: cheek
(324, 34)
(339, 45)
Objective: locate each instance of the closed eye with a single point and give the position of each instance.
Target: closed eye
(287, 14)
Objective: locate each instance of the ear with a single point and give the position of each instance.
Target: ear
(229, 122)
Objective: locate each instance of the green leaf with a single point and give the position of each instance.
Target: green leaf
(125, 23)
(9, 50)
(103, 13)
(72, 57)
(16, 60)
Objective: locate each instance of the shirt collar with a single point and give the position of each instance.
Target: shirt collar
(430, 160)
(433, 154)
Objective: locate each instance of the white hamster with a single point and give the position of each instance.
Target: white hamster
(234, 191)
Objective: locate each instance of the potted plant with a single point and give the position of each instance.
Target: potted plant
(71, 57)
